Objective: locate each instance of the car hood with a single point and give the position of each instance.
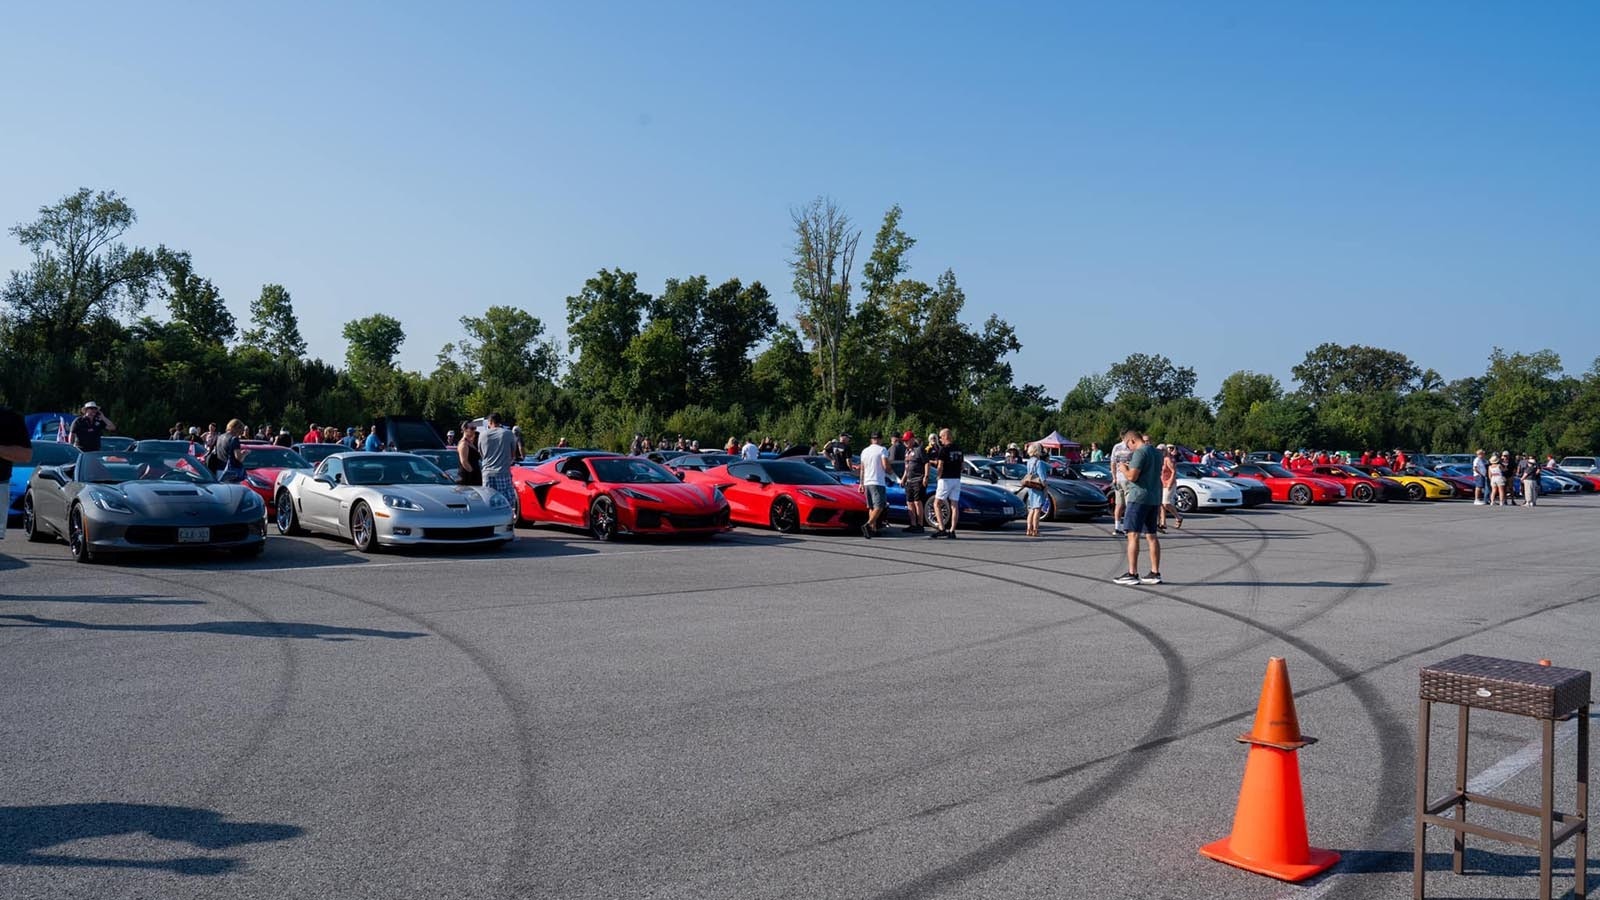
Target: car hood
(1078, 489)
(837, 493)
(987, 495)
(434, 498)
(165, 499)
(1217, 485)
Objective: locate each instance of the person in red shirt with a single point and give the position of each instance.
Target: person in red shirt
(312, 436)
(1399, 460)
(1366, 457)
(1322, 457)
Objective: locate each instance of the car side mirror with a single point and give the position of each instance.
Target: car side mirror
(678, 475)
(754, 478)
(575, 475)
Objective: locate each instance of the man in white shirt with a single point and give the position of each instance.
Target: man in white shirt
(751, 450)
(874, 482)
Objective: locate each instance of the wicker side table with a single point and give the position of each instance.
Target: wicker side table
(1541, 692)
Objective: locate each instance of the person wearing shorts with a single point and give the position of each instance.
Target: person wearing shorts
(1141, 511)
(948, 458)
(916, 468)
(1119, 483)
(1480, 480)
(874, 474)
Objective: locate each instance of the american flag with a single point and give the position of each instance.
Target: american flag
(61, 429)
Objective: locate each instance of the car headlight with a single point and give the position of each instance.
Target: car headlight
(498, 501)
(111, 503)
(394, 501)
(815, 495)
(637, 494)
(250, 501)
(257, 481)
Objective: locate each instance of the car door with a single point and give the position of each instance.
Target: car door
(319, 502)
(567, 500)
(49, 487)
(750, 494)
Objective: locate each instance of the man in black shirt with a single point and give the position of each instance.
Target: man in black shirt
(839, 453)
(14, 448)
(88, 428)
(914, 470)
(947, 458)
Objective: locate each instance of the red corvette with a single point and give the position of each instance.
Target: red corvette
(1360, 486)
(1293, 487)
(263, 463)
(786, 494)
(608, 494)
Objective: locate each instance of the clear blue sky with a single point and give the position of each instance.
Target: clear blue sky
(1225, 183)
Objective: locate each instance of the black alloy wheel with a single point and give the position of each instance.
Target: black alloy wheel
(785, 516)
(77, 537)
(603, 519)
(30, 521)
(1416, 491)
(1363, 492)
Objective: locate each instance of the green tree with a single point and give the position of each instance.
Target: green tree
(1520, 392)
(194, 302)
(506, 347)
(1356, 369)
(1239, 392)
(274, 327)
(602, 320)
(822, 260)
(81, 271)
(372, 342)
(782, 373)
(1154, 379)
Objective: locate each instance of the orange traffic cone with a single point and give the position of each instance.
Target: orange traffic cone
(1269, 825)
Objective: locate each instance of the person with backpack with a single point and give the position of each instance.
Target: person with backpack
(229, 454)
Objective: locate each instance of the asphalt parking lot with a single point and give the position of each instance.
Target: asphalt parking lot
(762, 716)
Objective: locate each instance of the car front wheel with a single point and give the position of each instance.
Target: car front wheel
(785, 516)
(1300, 495)
(603, 519)
(1363, 493)
(1186, 501)
(288, 521)
(363, 530)
(30, 521)
(78, 536)
(1416, 492)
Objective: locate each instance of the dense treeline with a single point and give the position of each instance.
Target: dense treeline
(704, 359)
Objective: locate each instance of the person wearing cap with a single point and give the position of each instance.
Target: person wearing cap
(349, 439)
(1013, 454)
(915, 469)
(874, 483)
(283, 438)
(88, 428)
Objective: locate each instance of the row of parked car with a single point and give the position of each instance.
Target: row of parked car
(157, 494)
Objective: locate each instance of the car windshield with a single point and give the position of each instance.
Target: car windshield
(118, 468)
(1347, 472)
(1275, 471)
(175, 447)
(273, 458)
(707, 460)
(1011, 470)
(315, 453)
(393, 468)
(50, 453)
(444, 459)
(1096, 470)
(631, 470)
(1579, 462)
(786, 472)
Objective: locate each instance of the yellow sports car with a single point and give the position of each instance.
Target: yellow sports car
(1418, 487)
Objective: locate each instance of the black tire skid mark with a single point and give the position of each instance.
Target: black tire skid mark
(527, 796)
(1088, 798)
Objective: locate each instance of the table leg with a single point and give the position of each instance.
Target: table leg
(1580, 855)
(1547, 798)
(1458, 847)
(1419, 852)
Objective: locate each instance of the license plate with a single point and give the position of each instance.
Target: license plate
(194, 535)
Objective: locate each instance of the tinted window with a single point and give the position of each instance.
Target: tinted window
(1275, 471)
(393, 468)
(50, 453)
(273, 458)
(632, 471)
(315, 453)
(785, 472)
(116, 468)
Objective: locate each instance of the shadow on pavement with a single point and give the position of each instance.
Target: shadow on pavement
(25, 831)
(301, 630)
(139, 600)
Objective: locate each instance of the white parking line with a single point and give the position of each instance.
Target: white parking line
(1399, 836)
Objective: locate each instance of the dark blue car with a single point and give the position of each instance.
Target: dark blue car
(982, 505)
(45, 453)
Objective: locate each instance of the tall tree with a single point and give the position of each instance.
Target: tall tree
(372, 342)
(506, 347)
(887, 261)
(1240, 392)
(602, 320)
(274, 328)
(1152, 379)
(823, 258)
(1356, 369)
(195, 302)
(81, 271)
(734, 319)
(1519, 393)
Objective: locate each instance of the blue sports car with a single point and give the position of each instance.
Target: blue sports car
(45, 453)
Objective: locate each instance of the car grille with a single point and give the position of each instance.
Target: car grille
(819, 517)
(162, 535)
(458, 534)
(712, 520)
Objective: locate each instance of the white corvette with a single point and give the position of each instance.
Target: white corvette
(389, 499)
(1189, 494)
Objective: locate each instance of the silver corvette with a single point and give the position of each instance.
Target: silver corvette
(389, 499)
(109, 502)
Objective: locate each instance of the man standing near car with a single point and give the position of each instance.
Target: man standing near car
(1119, 457)
(838, 452)
(1480, 478)
(89, 427)
(947, 459)
(875, 483)
(913, 473)
(14, 448)
(498, 447)
(1141, 507)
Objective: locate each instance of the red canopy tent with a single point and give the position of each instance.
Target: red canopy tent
(1062, 447)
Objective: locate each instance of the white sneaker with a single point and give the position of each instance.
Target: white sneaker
(1477, 503)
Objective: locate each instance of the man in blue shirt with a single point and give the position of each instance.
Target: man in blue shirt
(374, 444)
(1142, 506)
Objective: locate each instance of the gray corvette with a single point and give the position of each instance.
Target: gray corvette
(140, 501)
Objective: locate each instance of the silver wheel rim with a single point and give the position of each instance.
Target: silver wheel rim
(285, 513)
(1299, 494)
(361, 527)
(1185, 501)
